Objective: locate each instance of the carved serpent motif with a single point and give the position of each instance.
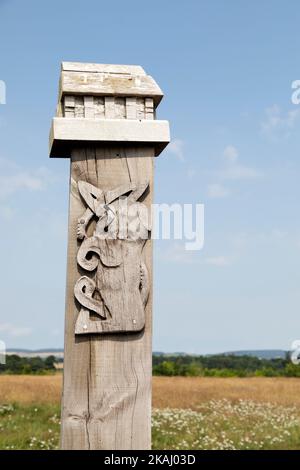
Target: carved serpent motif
(119, 290)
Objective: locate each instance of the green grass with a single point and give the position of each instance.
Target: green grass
(217, 424)
(222, 425)
(29, 427)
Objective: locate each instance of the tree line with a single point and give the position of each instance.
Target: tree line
(221, 365)
(28, 365)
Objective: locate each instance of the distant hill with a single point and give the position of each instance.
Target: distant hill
(173, 354)
(59, 353)
(260, 353)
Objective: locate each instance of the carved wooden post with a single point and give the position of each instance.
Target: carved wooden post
(106, 124)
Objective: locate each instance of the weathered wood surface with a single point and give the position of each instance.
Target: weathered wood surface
(109, 84)
(107, 378)
(65, 132)
(114, 288)
(103, 68)
(108, 107)
(106, 124)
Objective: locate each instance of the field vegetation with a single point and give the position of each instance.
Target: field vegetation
(188, 412)
(222, 365)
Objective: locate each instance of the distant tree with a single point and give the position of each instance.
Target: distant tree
(49, 362)
(166, 368)
(26, 369)
(192, 370)
(37, 363)
(292, 370)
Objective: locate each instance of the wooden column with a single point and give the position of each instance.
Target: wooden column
(106, 125)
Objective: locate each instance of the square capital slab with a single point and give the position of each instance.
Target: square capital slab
(106, 103)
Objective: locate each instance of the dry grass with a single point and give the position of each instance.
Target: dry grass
(30, 389)
(168, 392)
(189, 412)
(189, 392)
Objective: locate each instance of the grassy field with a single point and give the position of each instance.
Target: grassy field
(188, 413)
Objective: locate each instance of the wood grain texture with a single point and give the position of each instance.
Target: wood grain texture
(102, 84)
(107, 378)
(65, 132)
(103, 68)
(114, 288)
(108, 107)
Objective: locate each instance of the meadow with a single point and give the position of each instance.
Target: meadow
(188, 412)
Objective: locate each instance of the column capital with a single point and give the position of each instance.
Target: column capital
(103, 103)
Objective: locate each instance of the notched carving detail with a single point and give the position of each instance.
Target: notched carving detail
(114, 298)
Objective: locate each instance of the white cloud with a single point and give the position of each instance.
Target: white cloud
(217, 191)
(13, 330)
(11, 184)
(233, 170)
(218, 261)
(6, 212)
(242, 242)
(176, 147)
(191, 173)
(278, 234)
(276, 123)
(239, 172)
(14, 178)
(231, 153)
(177, 254)
(56, 332)
(240, 245)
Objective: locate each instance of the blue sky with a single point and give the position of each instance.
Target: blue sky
(226, 69)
